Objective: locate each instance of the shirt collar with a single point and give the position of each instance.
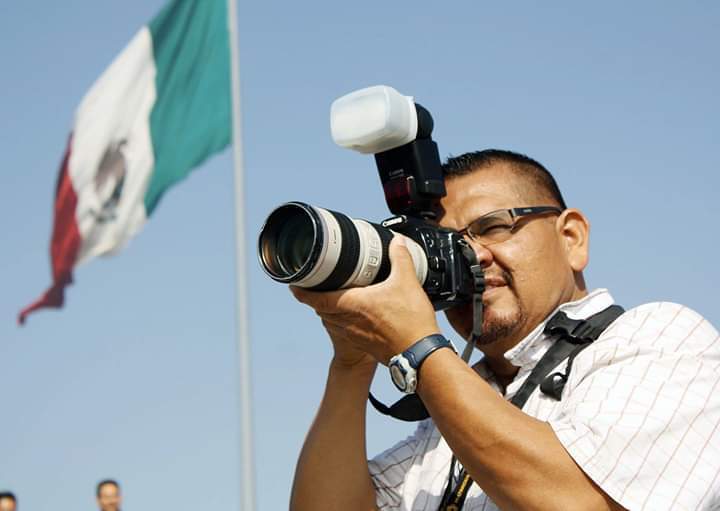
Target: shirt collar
(530, 350)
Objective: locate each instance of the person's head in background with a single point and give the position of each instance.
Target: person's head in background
(108, 495)
(8, 502)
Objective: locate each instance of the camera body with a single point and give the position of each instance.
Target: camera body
(449, 281)
(321, 250)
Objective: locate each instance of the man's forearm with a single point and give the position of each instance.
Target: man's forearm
(516, 459)
(332, 471)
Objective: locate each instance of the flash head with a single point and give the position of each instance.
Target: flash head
(373, 120)
(398, 132)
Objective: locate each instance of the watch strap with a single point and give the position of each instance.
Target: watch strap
(418, 352)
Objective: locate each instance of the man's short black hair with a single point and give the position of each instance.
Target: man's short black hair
(103, 483)
(8, 495)
(524, 165)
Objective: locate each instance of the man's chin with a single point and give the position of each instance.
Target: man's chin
(498, 324)
(495, 331)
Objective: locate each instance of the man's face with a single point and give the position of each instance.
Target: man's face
(7, 504)
(109, 498)
(528, 275)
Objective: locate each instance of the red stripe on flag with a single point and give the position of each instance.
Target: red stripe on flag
(65, 242)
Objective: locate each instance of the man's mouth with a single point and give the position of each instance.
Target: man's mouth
(493, 283)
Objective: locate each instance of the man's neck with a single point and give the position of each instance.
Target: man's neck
(503, 370)
(495, 360)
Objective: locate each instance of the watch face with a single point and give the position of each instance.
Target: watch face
(398, 377)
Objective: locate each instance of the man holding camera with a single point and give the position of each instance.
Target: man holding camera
(635, 426)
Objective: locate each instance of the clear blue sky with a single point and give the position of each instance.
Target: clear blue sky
(136, 378)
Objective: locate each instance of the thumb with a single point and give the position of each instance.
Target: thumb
(401, 262)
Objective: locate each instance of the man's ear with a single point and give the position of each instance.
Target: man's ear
(573, 229)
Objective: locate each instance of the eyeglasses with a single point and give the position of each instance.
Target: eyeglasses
(498, 226)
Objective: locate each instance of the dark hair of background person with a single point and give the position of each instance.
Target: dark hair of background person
(524, 165)
(8, 495)
(103, 483)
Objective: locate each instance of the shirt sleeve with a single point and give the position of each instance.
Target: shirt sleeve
(641, 410)
(388, 470)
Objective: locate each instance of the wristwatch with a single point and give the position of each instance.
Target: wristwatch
(404, 366)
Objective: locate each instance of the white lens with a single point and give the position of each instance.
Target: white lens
(330, 253)
(369, 257)
(323, 250)
(373, 120)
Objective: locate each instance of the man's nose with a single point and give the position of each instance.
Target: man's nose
(482, 253)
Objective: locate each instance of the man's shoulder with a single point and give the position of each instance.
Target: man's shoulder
(663, 326)
(646, 346)
(662, 308)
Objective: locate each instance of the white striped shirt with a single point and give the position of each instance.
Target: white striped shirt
(640, 413)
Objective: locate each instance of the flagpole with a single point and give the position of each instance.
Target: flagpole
(247, 464)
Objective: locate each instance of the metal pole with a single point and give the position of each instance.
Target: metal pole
(247, 464)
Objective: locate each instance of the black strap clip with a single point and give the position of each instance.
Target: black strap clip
(575, 335)
(554, 384)
(577, 331)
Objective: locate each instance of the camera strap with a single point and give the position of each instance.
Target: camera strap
(574, 335)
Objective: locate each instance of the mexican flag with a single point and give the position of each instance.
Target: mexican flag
(158, 111)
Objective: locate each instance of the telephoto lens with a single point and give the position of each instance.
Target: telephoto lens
(324, 250)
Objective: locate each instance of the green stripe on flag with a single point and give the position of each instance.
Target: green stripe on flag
(191, 118)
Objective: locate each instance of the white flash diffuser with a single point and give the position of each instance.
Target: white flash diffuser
(373, 120)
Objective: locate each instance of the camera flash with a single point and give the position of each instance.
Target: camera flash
(373, 120)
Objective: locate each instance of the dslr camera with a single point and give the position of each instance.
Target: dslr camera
(323, 250)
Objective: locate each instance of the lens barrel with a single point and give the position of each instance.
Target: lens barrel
(323, 250)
